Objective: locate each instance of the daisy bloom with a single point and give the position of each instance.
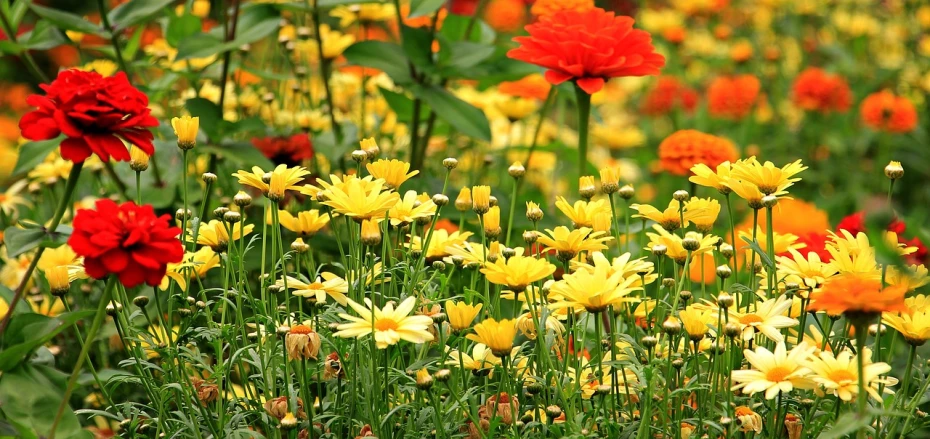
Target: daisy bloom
(461, 314)
(594, 290)
(809, 271)
(767, 317)
(588, 47)
(914, 324)
(669, 219)
(518, 271)
(567, 243)
(774, 372)
(326, 284)
(497, 335)
(702, 212)
(11, 199)
(717, 178)
(273, 184)
(409, 209)
(481, 358)
(696, 321)
(439, 243)
(214, 235)
(194, 265)
(393, 172)
(839, 375)
(389, 325)
(358, 200)
(770, 179)
(582, 213)
(306, 223)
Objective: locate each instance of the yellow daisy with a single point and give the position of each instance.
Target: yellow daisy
(389, 325)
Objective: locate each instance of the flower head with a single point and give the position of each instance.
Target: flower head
(839, 375)
(393, 172)
(703, 175)
(732, 97)
(883, 111)
(186, 129)
(125, 240)
(770, 179)
(684, 149)
(496, 335)
(582, 213)
(389, 325)
(548, 8)
(588, 47)
(214, 234)
(306, 223)
(816, 90)
(669, 219)
(569, 243)
(326, 284)
(594, 290)
(358, 199)
(274, 183)
(853, 293)
(461, 314)
(774, 372)
(518, 271)
(95, 113)
(668, 94)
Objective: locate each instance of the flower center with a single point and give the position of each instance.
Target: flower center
(749, 319)
(301, 329)
(839, 376)
(777, 374)
(386, 325)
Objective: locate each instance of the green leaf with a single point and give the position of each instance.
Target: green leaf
(303, 6)
(208, 112)
(133, 45)
(454, 26)
(400, 103)
(19, 241)
(7, 295)
(200, 46)
(9, 47)
(381, 55)
(418, 46)
(181, 27)
(33, 153)
(846, 424)
(419, 8)
(134, 12)
(29, 394)
(463, 116)
(465, 54)
(255, 23)
(66, 21)
(763, 256)
(27, 332)
(43, 37)
(242, 153)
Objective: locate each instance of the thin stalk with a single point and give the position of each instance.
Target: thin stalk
(584, 116)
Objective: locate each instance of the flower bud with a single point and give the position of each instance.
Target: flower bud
(371, 233)
(359, 155)
(731, 330)
(626, 192)
(450, 163)
(671, 326)
(681, 195)
(140, 301)
(659, 250)
(242, 199)
(533, 212)
(182, 214)
(208, 177)
(724, 300)
(186, 129)
(726, 250)
(442, 375)
(58, 281)
(610, 180)
(690, 243)
(724, 271)
(492, 223)
(769, 201)
(438, 265)
(530, 236)
(232, 217)
(220, 212)
(649, 341)
(289, 421)
(424, 379)
(586, 187)
(516, 170)
(138, 159)
(481, 199)
(440, 200)
(553, 411)
(668, 282)
(300, 246)
(894, 170)
(463, 201)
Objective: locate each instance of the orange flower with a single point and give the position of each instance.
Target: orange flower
(793, 216)
(505, 15)
(675, 34)
(548, 8)
(422, 21)
(741, 52)
(851, 293)
(816, 90)
(883, 111)
(668, 94)
(732, 97)
(529, 87)
(588, 48)
(686, 148)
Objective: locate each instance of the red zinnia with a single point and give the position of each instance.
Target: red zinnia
(732, 97)
(127, 240)
(588, 47)
(815, 89)
(95, 112)
(285, 150)
(668, 94)
(883, 111)
(686, 148)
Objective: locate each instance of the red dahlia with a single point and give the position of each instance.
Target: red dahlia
(94, 112)
(588, 47)
(127, 240)
(285, 150)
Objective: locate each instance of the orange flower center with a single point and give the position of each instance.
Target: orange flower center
(778, 374)
(386, 325)
(841, 375)
(301, 329)
(749, 319)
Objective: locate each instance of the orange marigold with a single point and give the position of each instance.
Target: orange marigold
(668, 94)
(548, 8)
(794, 216)
(686, 148)
(732, 97)
(589, 48)
(505, 15)
(816, 90)
(856, 294)
(883, 111)
(529, 87)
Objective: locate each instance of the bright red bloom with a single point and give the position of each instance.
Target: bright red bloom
(96, 113)
(816, 90)
(919, 256)
(588, 47)
(815, 243)
(853, 224)
(668, 94)
(883, 111)
(732, 97)
(127, 240)
(285, 150)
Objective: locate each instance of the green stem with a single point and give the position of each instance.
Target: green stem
(584, 116)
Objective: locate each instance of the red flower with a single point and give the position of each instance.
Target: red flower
(816, 243)
(668, 94)
(853, 224)
(732, 97)
(919, 256)
(285, 150)
(588, 47)
(883, 111)
(127, 240)
(94, 112)
(815, 89)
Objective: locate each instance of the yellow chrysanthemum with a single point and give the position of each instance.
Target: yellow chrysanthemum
(702, 212)
(496, 335)
(274, 183)
(393, 172)
(839, 375)
(774, 372)
(582, 213)
(306, 223)
(194, 265)
(669, 219)
(568, 243)
(461, 314)
(770, 179)
(518, 271)
(594, 290)
(389, 325)
(439, 243)
(327, 284)
(214, 234)
(359, 200)
(717, 179)
(409, 209)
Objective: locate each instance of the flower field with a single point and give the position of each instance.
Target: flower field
(300, 219)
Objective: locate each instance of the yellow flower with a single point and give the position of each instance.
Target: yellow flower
(138, 159)
(364, 13)
(10, 199)
(274, 183)
(492, 222)
(783, 241)
(527, 325)
(913, 278)
(334, 41)
(370, 232)
(767, 317)
(518, 271)
(481, 358)
(853, 255)
(639, 268)
(481, 199)
(774, 372)
(533, 212)
(326, 284)
(695, 321)
(702, 212)
(306, 223)
(669, 219)
(410, 209)
(440, 243)
(389, 325)
(582, 213)
(594, 290)
(461, 314)
(393, 172)
(359, 200)
(674, 245)
(104, 67)
(193, 265)
(58, 280)
(704, 176)
(214, 235)
(839, 375)
(610, 178)
(747, 191)
(569, 243)
(497, 335)
(770, 179)
(914, 325)
(463, 201)
(808, 271)
(186, 129)
(55, 257)
(515, 108)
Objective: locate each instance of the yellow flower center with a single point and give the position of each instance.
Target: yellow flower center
(749, 319)
(386, 325)
(839, 376)
(777, 374)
